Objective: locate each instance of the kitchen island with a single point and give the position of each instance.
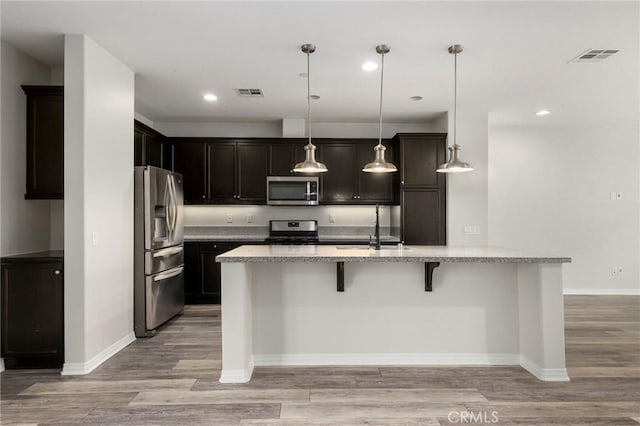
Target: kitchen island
(351, 305)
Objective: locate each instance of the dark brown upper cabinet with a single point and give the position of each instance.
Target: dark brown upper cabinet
(340, 182)
(45, 142)
(238, 172)
(149, 147)
(346, 183)
(375, 187)
(420, 156)
(189, 159)
(283, 156)
(251, 171)
(222, 172)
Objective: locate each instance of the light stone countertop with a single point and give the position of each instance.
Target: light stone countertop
(333, 253)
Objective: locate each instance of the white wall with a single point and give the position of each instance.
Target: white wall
(24, 223)
(549, 191)
(467, 193)
(99, 114)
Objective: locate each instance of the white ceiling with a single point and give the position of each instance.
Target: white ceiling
(514, 63)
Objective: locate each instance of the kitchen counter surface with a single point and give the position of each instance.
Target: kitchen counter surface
(49, 255)
(257, 234)
(346, 253)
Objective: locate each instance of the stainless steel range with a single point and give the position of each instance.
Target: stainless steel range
(293, 232)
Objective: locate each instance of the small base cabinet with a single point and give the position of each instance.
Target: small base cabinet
(202, 272)
(33, 311)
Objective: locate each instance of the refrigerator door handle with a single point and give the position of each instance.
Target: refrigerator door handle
(168, 251)
(169, 274)
(167, 207)
(174, 204)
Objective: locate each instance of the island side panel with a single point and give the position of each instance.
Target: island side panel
(237, 337)
(541, 321)
(384, 316)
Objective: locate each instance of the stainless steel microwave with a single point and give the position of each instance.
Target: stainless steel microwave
(293, 190)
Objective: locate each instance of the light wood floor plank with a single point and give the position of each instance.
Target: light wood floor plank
(220, 397)
(397, 410)
(107, 386)
(386, 396)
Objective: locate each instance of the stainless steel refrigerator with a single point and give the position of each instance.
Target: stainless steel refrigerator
(159, 248)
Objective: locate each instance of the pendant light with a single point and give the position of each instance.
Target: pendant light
(309, 165)
(379, 164)
(455, 165)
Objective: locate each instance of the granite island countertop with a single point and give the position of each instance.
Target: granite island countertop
(346, 253)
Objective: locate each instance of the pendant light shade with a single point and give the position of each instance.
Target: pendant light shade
(309, 165)
(379, 164)
(455, 165)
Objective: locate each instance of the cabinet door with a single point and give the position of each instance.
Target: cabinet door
(374, 187)
(192, 276)
(32, 316)
(189, 161)
(252, 172)
(153, 146)
(45, 142)
(138, 147)
(423, 216)
(222, 172)
(421, 156)
(339, 183)
(281, 159)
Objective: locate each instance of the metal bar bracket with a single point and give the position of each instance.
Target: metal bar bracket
(428, 274)
(340, 276)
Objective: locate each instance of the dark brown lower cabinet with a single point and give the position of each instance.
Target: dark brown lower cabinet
(423, 216)
(33, 311)
(202, 272)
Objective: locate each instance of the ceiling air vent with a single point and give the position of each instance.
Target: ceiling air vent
(593, 55)
(250, 93)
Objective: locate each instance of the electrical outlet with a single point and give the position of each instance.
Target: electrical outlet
(614, 271)
(249, 218)
(229, 218)
(94, 238)
(471, 230)
(332, 218)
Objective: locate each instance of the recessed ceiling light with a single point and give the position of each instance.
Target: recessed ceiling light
(314, 97)
(543, 112)
(369, 66)
(210, 97)
(416, 98)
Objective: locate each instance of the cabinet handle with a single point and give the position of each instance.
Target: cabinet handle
(402, 182)
(204, 196)
(57, 272)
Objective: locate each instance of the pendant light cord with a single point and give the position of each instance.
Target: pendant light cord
(381, 87)
(455, 98)
(309, 96)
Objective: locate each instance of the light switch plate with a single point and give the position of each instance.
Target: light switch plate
(249, 218)
(332, 218)
(229, 218)
(94, 238)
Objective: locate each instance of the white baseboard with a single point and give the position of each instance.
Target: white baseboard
(79, 368)
(1, 365)
(237, 376)
(544, 374)
(601, 292)
(386, 359)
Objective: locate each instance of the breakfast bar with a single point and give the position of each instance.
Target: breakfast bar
(353, 305)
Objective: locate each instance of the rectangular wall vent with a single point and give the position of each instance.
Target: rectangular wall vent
(594, 55)
(250, 93)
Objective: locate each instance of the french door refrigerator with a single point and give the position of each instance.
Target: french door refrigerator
(158, 247)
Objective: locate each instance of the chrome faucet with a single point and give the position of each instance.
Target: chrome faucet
(377, 227)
